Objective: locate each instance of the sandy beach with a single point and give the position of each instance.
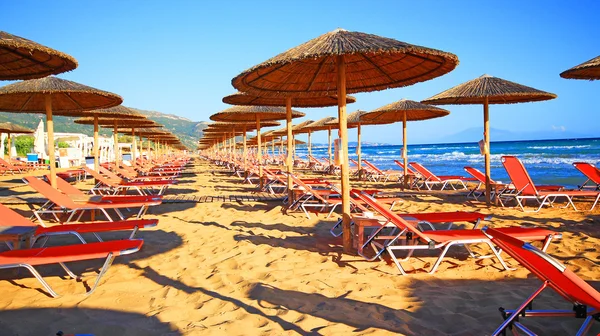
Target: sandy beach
(245, 268)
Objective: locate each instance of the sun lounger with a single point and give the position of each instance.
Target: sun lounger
(377, 174)
(429, 179)
(584, 299)
(591, 172)
(28, 258)
(10, 168)
(312, 197)
(414, 239)
(118, 185)
(526, 189)
(63, 204)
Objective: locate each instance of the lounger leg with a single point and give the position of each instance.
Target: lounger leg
(106, 214)
(69, 272)
(517, 312)
(40, 279)
(109, 260)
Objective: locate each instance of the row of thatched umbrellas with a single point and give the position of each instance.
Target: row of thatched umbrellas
(342, 62)
(24, 59)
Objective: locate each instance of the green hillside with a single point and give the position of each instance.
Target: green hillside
(188, 131)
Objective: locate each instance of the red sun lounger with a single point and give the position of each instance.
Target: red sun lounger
(429, 179)
(591, 172)
(28, 258)
(414, 239)
(526, 189)
(585, 300)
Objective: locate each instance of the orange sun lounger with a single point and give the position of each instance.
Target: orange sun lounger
(28, 258)
(591, 172)
(526, 189)
(415, 239)
(429, 179)
(584, 299)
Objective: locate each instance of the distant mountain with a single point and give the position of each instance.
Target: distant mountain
(187, 130)
(476, 133)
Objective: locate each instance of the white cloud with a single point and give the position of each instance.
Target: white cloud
(559, 128)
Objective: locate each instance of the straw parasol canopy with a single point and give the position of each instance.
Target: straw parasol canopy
(250, 113)
(372, 63)
(488, 90)
(53, 95)
(322, 124)
(21, 58)
(341, 62)
(249, 126)
(587, 70)
(8, 127)
(404, 110)
(242, 98)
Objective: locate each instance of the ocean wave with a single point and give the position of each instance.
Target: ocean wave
(443, 148)
(559, 147)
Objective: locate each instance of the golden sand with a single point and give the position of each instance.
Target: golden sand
(244, 268)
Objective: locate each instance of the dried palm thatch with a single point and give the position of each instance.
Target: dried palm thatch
(242, 98)
(118, 111)
(395, 112)
(295, 128)
(372, 63)
(8, 127)
(301, 127)
(496, 90)
(239, 125)
(250, 113)
(321, 125)
(144, 131)
(121, 122)
(21, 58)
(67, 96)
(355, 119)
(587, 70)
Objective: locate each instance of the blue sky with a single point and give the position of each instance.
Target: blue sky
(179, 56)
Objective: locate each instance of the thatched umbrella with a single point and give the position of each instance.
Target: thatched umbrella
(240, 127)
(404, 110)
(587, 70)
(21, 58)
(51, 94)
(148, 133)
(255, 113)
(488, 90)
(299, 129)
(343, 62)
(130, 123)
(242, 98)
(323, 125)
(355, 120)
(114, 112)
(10, 128)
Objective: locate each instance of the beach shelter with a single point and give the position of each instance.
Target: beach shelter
(487, 90)
(238, 128)
(242, 98)
(10, 129)
(114, 112)
(53, 96)
(255, 113)
(587, 70)
(341, 62)
(40, 146)
(404, 110)
(146, 133)
(324, 125)
(299, 129)
(115, 123)
(21, 58)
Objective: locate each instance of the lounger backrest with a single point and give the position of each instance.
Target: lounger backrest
(410, 171)
(372, 166)
(50, 193)
(519, 176)
(476, 173)
(589, 170)
(9, 217)
(7, 165)
(307, 188)
(389, 215)
(98, 176)
(562, 280)
(425, 172)
(109, 174)
(65, 186)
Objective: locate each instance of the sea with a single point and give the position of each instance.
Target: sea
(547, 161)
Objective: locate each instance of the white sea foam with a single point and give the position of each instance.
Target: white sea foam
(559, 147)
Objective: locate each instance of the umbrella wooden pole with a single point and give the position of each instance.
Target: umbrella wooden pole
(133, 147)
(486, 137)
(329, 148)
(280, 145)
(96, 144)
(9, 147)
(289, 160)
(309, 145)
(273, 146)
(358, 152)
(258, 153)
(50, 126)
(244, 152)
(342, 115)
(116, 139)
(404, 151)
